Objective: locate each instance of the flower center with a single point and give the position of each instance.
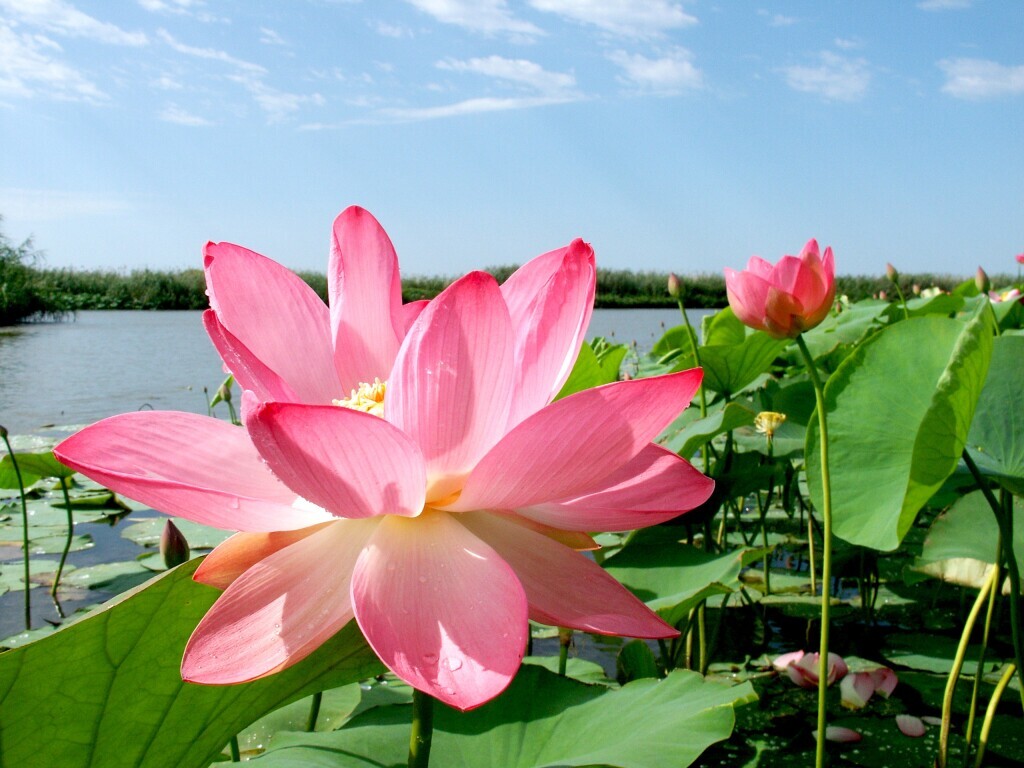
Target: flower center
(368, 398)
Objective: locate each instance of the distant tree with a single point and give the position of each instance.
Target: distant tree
(20, 298)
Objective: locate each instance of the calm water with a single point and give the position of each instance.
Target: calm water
(102, 363)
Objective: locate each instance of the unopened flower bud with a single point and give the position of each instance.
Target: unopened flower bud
(674, 285)
(883, 295)
(981, 280)
(224, 392)
(915, 289)
(3, 432)
(891, 273)
(173, 547)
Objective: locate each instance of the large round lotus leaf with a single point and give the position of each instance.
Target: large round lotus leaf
(996, 439)
(541, 721)
(106, 691)
(899, 410)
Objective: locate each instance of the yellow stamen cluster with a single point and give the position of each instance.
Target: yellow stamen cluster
(767, 422)
(368, 398)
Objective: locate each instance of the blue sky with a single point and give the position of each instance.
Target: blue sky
(672, 135)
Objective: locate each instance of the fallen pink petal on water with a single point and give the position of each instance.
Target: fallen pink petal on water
(910, 725)
(840, 734)
(857, 690)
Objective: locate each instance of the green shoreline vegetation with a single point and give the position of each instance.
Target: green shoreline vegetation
(30, 292)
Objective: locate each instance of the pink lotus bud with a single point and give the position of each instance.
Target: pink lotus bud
(786, 298)
(981, 280)
(674, 285)
(915, 289)
(891, 273)
(1020, 258)
(883, 295)
(173, 547)
(910, 726)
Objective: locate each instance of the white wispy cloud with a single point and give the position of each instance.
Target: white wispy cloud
(35, 205)
(472, 106)
(28, 68)
(175, 114)
(835, 77)
(520, 71)
(167, 83)
(847, 44)
(777, 19)
(211, 54)
(944, 5)
(981, 79)
(64, 19)
(191, 8)
(276, 104)
(384, 29)
(270, 37)
(626, 18)
(489, 17)
(667, 75)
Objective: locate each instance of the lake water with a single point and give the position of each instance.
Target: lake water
(106, 362)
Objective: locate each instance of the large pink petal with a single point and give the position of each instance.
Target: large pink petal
(654, 487)
(248, 370)
(351, 463)
(451, 384)
(563, 587)
(187, 465)
(747, 295)
(280, 610)
(440, 608)
(366, 299)
(276, 316)
(410, 312)
(550, 300)
(575, 443)
(240, 552)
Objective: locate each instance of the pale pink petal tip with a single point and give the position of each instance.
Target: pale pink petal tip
(857, 690)
(931, 720)
(781, 662)
(884, 680)
(910, 726)
(840, 734)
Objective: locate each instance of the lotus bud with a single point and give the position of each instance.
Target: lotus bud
(916, 289)
(891, 273)
(173, 547)
(224, 392)
(3, 432)
(1020, 258)
(883, 295)
(674, 285)
(981, 280)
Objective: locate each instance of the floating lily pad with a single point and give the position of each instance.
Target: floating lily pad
(146, 533)
(111, 577)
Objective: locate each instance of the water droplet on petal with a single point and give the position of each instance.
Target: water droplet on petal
(453, 663)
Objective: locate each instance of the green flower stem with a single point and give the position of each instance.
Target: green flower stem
(1004, 517)
(990, 712)
(564, 641)
(236, 755)
(67, 545)
(958, 663)
(702, 637)
(691, 336)
(976, 688)
(826, 546)
(903, 299)
(422, 731)
(24, 531)
(314, 711)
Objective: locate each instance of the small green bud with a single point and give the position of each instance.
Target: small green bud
(3, 432)
(674, 285)
(981, 280)
(173, 547)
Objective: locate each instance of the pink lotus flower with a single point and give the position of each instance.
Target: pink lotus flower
(1020, 258)
(785, 299)
(802, 668)
(440, 507)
